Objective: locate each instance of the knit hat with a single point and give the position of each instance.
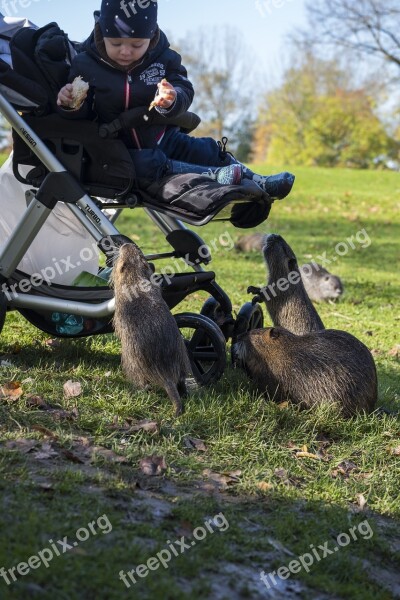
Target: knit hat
(128, 19)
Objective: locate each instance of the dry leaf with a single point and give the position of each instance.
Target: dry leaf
(264, 486)
(195, 444)
(37, 401)
(361, 501)
(307, 455)
(71, 456)
(283, 405)
(153, 465)
(11, 391)
(223, 479)
(108, 455)
(132, 427)
(394, 451)
(53, 343)
(44, 431)
(22, 445)
(45, 452)
(72, 389)
(395, 351)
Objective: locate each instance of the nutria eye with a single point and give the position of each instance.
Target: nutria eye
(327, 278)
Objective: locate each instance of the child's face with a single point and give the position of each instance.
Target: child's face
(125, 51)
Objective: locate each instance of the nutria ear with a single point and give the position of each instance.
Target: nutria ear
(274, 333)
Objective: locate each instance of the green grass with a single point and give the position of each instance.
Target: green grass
(300, 502)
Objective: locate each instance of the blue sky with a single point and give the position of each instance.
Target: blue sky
(262, 23)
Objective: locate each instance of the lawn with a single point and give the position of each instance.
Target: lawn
(244, 486)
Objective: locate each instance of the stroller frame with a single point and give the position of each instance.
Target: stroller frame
(214, 325)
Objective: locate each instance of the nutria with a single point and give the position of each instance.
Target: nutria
(285, 296)
(251, 242)
(327, 366)
(319, 283)
(153, 350)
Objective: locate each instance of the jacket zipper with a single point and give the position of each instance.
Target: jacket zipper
(127, 102)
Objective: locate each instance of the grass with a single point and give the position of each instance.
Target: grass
(279, 504)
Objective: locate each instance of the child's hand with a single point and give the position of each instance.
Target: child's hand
(166, 94)
(65, 95)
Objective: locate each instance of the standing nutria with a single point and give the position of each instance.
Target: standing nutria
(327, 366)
(251, 242)
(285, 296)
(320, 285)
(153, 350)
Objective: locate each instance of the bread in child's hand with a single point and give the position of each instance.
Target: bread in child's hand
(155, 103)
(79, 92)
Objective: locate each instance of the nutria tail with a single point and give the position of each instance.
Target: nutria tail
(172, 391)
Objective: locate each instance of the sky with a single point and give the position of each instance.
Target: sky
(263, 24)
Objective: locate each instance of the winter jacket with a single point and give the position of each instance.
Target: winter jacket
(113, 90)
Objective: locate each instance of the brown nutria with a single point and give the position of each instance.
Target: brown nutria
(284, 295)
(251, 242)
(319, 283)
(327, 366)
(153, 350)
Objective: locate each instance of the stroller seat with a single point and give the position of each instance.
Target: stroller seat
(103, 166)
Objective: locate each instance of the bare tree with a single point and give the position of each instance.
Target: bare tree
(369, 27)
(220, 65)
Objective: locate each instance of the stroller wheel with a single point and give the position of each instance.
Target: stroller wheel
(212, 309)
(250, 317)
(206, 346)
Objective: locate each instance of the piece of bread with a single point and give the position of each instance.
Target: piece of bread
(155, 103)
(79, 92)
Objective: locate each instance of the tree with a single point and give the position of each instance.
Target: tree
(316, 117)
(369, 27)
(219, 65)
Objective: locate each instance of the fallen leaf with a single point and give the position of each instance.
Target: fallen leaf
(44, 431)
(395, 351)
(307, 455)
(224, 480)
(22, 445)
(107, 454)
(361, 501)
(53, 343)
(394, 451)
(283, 405)
(37, 401)
(345, 468)
(264, 486)
(195, 444)
(72, 389)
(71, 456)
(11, 391)
(185, 529)
(45, 452)
(64, 415)
(16, 348)
(153, 465)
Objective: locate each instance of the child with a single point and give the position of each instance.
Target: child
(128, 63)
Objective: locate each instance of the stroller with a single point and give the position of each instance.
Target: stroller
(84, 166)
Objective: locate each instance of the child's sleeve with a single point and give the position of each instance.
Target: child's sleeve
(176, 74)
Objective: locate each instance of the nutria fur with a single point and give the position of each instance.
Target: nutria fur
(328, 366)
(251, 242)
(153, 350)
(285, 296)
(320, 285)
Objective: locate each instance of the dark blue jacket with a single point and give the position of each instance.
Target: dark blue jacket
(112, 91)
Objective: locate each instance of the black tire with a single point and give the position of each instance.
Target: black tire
(206, 347)
(250, 317)
(212, 309)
